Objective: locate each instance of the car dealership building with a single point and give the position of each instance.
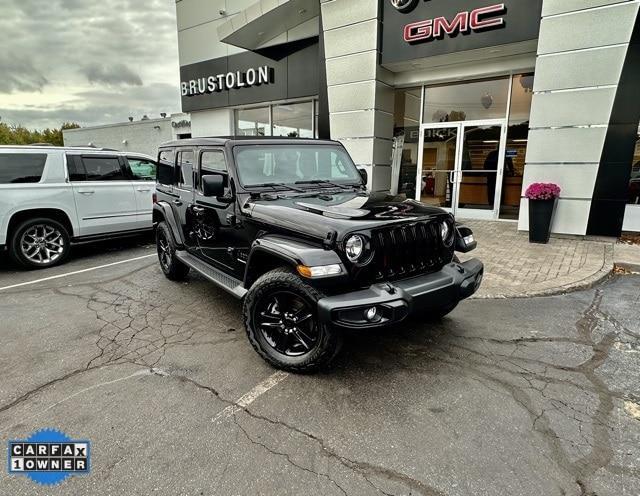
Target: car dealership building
(457, 103)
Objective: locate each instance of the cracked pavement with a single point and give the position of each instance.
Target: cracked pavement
(535, 396)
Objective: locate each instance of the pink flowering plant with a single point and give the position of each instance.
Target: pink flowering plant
(543, 191)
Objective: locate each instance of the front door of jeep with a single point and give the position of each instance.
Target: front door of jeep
(213, 224)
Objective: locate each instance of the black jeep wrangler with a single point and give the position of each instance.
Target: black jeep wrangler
(289, 226)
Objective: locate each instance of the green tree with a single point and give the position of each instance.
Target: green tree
(20, 135)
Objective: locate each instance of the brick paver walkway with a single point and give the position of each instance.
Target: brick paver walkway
(516, 268)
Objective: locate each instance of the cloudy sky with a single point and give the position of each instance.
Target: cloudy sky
(87, 61)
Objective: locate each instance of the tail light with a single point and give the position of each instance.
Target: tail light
(155, 198)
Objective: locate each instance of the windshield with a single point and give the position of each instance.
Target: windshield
(294, 164)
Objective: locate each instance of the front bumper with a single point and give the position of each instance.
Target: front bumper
(396, 300)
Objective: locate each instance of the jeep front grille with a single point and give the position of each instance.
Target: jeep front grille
(408, 249)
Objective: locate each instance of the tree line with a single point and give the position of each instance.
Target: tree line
(20, 135)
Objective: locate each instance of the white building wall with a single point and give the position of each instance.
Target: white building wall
(138, 136)
(198, 22)
(361, 97)
(212, 123)
(581, 52)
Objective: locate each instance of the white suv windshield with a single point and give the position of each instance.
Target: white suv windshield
(291, 164)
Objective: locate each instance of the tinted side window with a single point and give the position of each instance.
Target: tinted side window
(75, 168)
(103, 169)
(185, 166)
(166, 173)
(21, 167)
(142, 169)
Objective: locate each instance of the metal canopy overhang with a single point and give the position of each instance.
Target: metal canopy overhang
(257, 25)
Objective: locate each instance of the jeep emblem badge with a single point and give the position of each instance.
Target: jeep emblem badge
(404, 5)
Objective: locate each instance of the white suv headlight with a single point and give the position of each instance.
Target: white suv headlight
(354, 247)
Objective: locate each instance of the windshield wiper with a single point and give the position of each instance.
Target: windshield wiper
(276, 185)
(328, 183)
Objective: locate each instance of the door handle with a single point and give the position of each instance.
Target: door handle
(144, 190)
(86, 191)
(177, 202)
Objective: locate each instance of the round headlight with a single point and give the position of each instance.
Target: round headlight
(353, 247)
(446, 233)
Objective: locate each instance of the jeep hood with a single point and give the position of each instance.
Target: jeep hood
(341, 212)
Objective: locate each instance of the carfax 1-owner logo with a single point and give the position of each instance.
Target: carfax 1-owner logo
(48, 457)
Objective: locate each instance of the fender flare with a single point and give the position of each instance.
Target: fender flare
(290, 251)
(166, 212)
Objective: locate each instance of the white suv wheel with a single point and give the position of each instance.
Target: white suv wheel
(42, 244)
(39, 243)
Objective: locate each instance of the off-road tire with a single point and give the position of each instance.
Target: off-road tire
(15, 249)
(173, 269)
(329, 340)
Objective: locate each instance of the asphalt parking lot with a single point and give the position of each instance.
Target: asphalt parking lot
(533, 396)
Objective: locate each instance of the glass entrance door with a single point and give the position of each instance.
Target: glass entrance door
(461, 167)
(437, 159)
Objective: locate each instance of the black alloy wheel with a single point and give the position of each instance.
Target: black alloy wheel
(280, 316)
(172, 268)
(164, 252)
(287, 323)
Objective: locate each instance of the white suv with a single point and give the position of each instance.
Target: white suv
(51, 197)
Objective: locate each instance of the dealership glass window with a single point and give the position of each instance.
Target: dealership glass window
(298, 119)
(406, 132)
(294, 120)
(469, 101)
(253, 122)
(506, 99)
(516, 151)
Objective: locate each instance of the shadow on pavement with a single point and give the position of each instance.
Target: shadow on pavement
(86, 251)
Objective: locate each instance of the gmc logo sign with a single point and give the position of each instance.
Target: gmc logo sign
(465, 22)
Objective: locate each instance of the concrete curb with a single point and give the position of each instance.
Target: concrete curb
(598, 277)
(629, 267)
(627, 257)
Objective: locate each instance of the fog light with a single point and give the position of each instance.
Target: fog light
(371, 314)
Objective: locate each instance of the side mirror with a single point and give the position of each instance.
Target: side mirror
(213, 185)
(364, 175)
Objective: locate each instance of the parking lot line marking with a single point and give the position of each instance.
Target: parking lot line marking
(95, 386)
(251, 396)
(76, 272)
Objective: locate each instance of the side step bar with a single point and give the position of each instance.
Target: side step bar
(225, 281)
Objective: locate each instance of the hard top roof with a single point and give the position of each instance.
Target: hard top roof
(246, 140)
(45, 146)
